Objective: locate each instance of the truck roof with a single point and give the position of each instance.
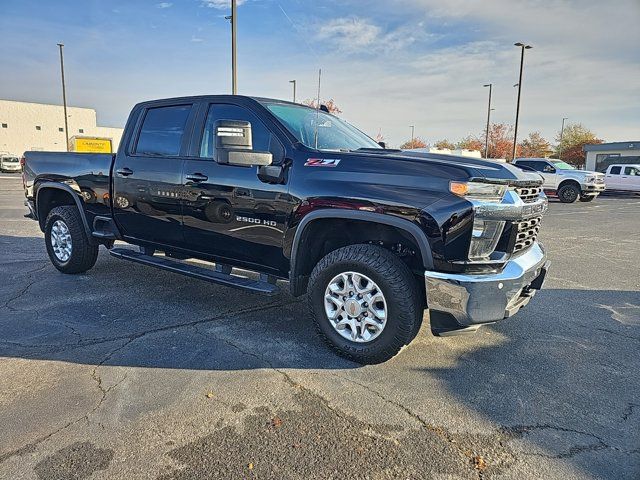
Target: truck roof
(242, 98)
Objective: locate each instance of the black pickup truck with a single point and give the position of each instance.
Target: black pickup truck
(373, 236)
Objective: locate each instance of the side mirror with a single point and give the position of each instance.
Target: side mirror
(549, 169)
(382, 144)
(234, 145)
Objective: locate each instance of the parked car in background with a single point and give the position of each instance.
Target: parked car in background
(625, 178)
(9, 163)
(564, 180)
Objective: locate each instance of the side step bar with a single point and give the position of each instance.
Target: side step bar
(219, 276)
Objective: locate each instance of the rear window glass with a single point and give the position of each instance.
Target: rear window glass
(162, 130)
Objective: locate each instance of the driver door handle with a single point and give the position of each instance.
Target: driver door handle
(197, 177)
(125, 172)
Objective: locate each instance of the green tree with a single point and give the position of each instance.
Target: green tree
(534, 146)
(574, 137)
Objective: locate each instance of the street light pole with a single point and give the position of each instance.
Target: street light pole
(561, 134)
(64, 97)
(412, 130)
(515, 132)
(486, 141)
(294, 90)
(234, 25)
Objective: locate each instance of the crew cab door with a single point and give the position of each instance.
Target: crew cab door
(630, 178)
(549, 174)
(229, 212)
(147, 175)
(612, 178)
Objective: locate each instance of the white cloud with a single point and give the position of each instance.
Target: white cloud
(195, 39)
(355, 34)
(220, 4)
(164, 5)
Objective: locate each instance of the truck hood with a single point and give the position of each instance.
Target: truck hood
(473, 167)
(579, 173)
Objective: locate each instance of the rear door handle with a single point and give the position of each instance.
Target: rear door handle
(197, 177)
(125, 172)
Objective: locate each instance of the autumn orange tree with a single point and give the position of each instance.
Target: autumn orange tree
(417, 142)
(574, 137)
(330, 104)
(534, 146)
(444, 143)
(470, 143)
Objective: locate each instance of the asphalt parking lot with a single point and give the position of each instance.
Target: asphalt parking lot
(130, 372)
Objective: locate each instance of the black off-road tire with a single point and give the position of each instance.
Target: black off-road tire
(587, 198)
(83, 254)
(568, 193)
(398, 285)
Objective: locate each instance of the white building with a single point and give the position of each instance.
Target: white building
(601, 155)
(37, 126)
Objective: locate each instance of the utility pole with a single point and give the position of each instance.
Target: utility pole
(234, 28)
(64, 97)
(561, 134)
(294, 90)
(486, 141)
(515, 132)
(412, 130)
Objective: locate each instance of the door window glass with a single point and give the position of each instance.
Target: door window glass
(631, 171)
(162, 130)
(262, 138)
(615, 170)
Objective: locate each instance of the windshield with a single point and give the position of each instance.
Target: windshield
(560, 165)
(333, 133)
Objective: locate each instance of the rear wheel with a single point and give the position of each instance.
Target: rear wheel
(67, 243)
(568, 193)
(587, 198)
(364, 302)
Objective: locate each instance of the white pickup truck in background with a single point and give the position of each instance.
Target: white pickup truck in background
(625, 178)
(569, 183)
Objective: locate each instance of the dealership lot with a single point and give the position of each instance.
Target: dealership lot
(130, 372)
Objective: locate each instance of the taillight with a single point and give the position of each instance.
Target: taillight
(22, 161)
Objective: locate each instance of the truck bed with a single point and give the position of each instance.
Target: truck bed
(86, 173)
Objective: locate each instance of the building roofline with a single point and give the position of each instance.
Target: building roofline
(599, 147)
(45, 104)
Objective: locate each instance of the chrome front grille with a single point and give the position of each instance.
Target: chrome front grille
(528, 194)
(527, 233)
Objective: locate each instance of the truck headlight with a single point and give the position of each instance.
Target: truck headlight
(484, 238)
(478, 191)
(590, 179)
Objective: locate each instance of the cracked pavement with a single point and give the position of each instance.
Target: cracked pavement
(129, 372)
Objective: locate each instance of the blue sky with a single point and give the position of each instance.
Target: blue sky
(388, 64)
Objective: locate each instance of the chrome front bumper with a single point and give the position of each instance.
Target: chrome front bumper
(483, 298)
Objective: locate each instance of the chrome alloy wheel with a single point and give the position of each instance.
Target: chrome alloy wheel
(61, 240)
(355, 307)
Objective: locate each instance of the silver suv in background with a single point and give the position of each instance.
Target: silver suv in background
(567, 182)
(10, 163)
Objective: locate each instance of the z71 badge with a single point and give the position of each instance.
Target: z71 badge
(322, 162)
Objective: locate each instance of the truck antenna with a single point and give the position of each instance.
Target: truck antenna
(317, 109)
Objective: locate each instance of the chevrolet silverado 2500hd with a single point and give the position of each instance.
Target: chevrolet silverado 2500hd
(373, 236)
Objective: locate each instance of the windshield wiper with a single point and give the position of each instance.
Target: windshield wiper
(373, 149)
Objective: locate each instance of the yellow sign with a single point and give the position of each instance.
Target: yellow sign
(92, 145)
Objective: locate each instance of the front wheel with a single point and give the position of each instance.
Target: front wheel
(587, 198)
(568, 193)
(364, 302)
(67, 244)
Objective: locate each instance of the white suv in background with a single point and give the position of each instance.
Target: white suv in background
(624, 178)
(569, 183)
(10, 163)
